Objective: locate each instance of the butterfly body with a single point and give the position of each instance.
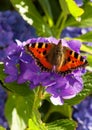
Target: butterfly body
(58, 58)
(54, 56)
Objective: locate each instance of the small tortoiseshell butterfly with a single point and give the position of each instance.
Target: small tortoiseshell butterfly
(57, 58)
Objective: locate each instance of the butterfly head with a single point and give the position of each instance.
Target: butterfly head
(58, 49)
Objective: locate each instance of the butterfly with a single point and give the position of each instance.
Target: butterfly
(57, 58)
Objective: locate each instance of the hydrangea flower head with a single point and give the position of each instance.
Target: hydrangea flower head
(12, 26)
(83, 114)
(58, 86)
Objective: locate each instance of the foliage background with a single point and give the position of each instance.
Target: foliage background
(24, 108)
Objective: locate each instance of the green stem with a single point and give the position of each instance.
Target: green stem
(36, 116)
(59, 20)
(37, 101)
(64, 17)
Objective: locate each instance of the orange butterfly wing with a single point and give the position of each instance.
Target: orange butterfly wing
(39, 52)
(73, 60)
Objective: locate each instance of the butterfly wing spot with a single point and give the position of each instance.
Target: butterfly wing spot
(68, 59)
(44, 52)
(38, 51)
(73, 61)
(40, 45)
(71, 52)
(46, 45)
(32, 45)
(76, 55)
(82, 59)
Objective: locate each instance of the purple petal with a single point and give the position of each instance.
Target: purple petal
(74, 45)
(56, 100)
(10, 78)
(68, 92)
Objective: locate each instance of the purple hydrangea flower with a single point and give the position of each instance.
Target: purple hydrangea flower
(59, 87)
(75, 32)
(3, 97)
(79, 2)
(11, 20)
(83, 114)
(12, 27)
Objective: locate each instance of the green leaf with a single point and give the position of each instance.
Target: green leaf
(45, 4)
(29, 12)
(64, 111)
(86, 48)
(62, 125)
(75, 11)
(52, 112)
(85, 92)
(21, 89)
(89, 58)
(32, 125)
(85, 37)
(22, 109)
(5, 5)
(18, 110)
(64, 6)
(2, 128)
(2, 74)
(85, 20)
